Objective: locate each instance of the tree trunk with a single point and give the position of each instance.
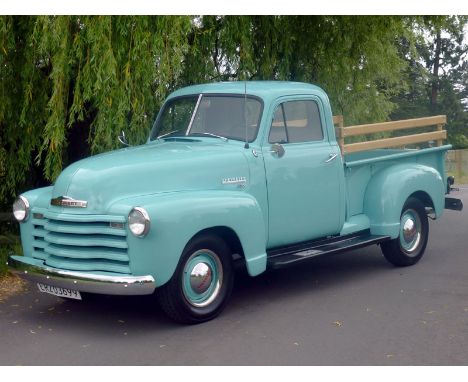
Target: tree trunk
(435, 72)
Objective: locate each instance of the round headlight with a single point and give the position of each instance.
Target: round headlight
(21, 209)
(139, 221)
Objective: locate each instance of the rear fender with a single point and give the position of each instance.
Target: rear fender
(389, 189)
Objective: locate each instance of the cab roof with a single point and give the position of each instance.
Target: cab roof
(267, 90)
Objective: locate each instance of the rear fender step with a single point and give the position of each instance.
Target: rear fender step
(290, 255)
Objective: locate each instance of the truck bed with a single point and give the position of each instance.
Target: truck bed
(361, 167)
(372, 155)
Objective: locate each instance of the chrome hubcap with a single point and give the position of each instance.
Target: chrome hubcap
(410, 232)
(200, 278)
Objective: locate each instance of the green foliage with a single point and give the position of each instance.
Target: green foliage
(23, 99)
(353, 58)
(58, 71)
(437, 73)
(70, 84)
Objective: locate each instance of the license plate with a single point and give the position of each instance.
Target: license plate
(61, 292)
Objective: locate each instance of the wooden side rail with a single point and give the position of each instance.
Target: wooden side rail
(338, 121)
(350, 131)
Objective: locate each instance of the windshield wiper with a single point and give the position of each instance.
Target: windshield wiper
(167, 134)
(187, 136)
(210, 135)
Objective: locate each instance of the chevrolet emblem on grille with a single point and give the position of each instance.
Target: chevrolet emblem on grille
(65, 201)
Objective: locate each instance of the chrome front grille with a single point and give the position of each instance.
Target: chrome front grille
(81, 242)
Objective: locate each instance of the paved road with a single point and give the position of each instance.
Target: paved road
(348, 309)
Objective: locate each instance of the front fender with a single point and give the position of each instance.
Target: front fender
(389, 189)
(177, 217)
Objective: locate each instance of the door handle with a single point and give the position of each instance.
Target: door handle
(277, 149)
(331, 157)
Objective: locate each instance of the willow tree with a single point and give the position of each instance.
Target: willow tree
(57, 72)
(354, 58)
(69, 84)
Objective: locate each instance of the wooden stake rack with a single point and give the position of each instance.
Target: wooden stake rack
(343, 132)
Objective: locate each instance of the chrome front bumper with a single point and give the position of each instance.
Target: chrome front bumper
(31, 270)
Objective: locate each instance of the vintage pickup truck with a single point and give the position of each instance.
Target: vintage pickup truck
(252, 172)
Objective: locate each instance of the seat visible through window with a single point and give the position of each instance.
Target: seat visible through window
(296, 121)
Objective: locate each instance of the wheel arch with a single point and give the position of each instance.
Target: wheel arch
(424, 198)
(228, 235)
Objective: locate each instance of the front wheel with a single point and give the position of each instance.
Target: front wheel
(202, 282)
(408, 248)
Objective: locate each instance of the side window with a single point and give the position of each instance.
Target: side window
(278, 132)
(300, 122)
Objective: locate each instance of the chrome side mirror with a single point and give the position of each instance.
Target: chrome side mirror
(123, 139)
(277, 150)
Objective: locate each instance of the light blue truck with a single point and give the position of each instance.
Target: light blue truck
(232, 172)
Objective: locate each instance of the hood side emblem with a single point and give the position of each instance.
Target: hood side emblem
(239, 180)
(65, 201)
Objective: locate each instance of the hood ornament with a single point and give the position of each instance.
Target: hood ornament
(65, 201)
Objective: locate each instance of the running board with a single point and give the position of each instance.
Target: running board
(291, 255)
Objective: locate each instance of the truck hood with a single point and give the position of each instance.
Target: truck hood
(152, 168)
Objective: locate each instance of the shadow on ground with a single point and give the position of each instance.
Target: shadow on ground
(102, 313)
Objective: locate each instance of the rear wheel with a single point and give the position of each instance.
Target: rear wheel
(408, 248)
(202, 283)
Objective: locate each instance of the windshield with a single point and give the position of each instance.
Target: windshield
(231, 116)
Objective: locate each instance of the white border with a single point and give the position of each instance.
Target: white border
(259, 7)
(234, 374)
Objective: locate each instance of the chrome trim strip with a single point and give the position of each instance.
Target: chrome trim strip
(83, 282)
(331, 157)
(194, 113)
(28, 207)
(388, 157)
(65, 201)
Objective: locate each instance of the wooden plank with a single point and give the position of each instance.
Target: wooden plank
(339, 137)
(393, 142)
(440, 128)
(338, 121)
(351, 131)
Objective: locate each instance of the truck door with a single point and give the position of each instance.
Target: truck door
(303, 175)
